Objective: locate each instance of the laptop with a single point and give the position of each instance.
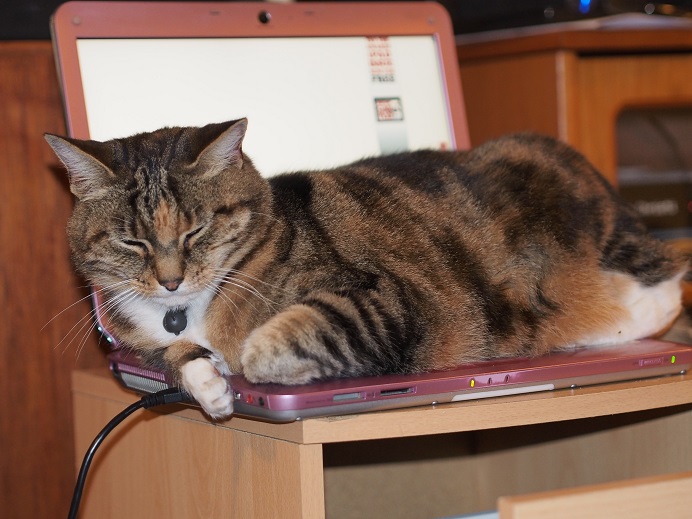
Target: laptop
(322, 84)
(569, 369)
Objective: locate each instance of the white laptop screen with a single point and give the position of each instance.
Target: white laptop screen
(312, 102)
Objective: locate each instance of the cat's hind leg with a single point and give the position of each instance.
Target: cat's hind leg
(648, 311)
(644, 275)
(652, 309)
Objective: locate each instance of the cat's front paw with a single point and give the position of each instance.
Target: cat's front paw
(212, 391)
(287, 349)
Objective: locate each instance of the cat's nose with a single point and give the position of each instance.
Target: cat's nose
(171, 284)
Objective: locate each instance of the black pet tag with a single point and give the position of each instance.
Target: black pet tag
(175, 321)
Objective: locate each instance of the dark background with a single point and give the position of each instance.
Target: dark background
(29, 19)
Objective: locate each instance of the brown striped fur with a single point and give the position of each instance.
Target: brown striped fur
(397, 264)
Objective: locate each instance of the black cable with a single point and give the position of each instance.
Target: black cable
(166, 396)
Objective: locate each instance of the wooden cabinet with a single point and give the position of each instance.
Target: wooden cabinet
(574, 84)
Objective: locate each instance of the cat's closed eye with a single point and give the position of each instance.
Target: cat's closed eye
(189, 237)
(139, 245)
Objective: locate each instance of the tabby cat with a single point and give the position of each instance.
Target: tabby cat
(403, 263)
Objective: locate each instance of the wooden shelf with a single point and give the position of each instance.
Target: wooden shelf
(639, 499)
(186, 463)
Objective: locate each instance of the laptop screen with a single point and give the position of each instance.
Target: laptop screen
(321, 84)
(311, 102)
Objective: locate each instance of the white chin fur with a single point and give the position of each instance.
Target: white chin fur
(148, 314)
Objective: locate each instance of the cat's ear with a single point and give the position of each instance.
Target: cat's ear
(89, 176)
(221, 147)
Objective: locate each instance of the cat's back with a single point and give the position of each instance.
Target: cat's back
(507, 163)
(541, 190)
(427, 171)
(509, 195)
(518, 176)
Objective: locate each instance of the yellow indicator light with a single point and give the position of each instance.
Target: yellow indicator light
(473, 383)
(672, 359)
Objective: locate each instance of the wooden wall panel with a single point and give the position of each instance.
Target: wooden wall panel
(510, 95)
(36, 284)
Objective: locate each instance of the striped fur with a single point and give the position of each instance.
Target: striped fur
(397, 264)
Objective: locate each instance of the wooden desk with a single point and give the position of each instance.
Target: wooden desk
(448, 459)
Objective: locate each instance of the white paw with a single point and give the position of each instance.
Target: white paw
(202, 380)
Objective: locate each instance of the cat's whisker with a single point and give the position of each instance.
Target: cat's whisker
(123, 299)
(87, 323)
(270, 216)
(253, 278)
(232, 275)
(223, 278)
(106, 306)
(250, 289)
(217, 290)
(64, 310)
(224, 285)
(241, 282)
(71, 332)
(79, 301)
(113, 305)
(221, 288)
(234, 309)
(85, 338)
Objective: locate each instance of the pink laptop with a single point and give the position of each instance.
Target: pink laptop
(364, 79)
(277, 403)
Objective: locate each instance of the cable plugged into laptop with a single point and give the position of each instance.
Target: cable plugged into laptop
(171, 395)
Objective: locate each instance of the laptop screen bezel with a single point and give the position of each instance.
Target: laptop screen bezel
(83, 20)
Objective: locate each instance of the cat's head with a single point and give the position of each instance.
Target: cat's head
(164, 214)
